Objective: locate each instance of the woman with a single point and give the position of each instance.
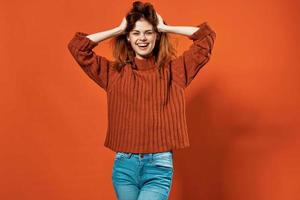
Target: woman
(145, 95)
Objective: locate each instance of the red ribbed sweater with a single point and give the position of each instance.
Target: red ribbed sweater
(146, 114)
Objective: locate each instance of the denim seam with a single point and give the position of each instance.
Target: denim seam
(165, 195)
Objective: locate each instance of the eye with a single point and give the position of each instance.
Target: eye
(149, 33)
(135, 33)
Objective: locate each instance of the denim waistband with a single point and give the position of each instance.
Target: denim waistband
(147, 155)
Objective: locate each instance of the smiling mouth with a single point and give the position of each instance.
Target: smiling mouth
(143, 46)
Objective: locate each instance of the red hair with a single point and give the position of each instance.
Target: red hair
(122, 50)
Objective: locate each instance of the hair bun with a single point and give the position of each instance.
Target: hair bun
(146, 8)
(137, 6)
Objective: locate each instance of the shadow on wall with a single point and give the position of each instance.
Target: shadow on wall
(213, 120)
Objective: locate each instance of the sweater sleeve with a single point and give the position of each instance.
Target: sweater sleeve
(186, 66)
(98, 68)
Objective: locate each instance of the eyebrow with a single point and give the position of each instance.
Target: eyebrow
(145, 30)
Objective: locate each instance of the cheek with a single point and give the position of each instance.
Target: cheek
(153, 43)
(132, 44)
(152, 39)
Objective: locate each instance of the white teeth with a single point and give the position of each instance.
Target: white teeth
(142, 45)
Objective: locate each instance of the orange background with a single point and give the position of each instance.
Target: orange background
(242, 108)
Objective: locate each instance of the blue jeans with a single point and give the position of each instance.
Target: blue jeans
(144, 176)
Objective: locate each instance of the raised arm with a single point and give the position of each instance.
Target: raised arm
(97, 67)
(98, 37)
(186, 66)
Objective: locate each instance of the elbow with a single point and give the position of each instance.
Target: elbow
(211, 41)
(69, 46)
(213, 35)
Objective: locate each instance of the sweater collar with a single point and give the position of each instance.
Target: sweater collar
(145, 64)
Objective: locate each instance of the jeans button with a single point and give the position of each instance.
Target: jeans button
(142, 155)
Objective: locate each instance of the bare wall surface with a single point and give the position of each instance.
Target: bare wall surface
(242, 108)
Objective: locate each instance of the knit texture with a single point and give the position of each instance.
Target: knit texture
(146, 112)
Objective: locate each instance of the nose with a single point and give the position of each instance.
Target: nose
(143, 37)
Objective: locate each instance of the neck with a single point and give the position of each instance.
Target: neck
(144, 57)
(145, 63)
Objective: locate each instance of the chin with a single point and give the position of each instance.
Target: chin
(144, 54)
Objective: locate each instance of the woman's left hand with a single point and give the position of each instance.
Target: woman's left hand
(160, 26)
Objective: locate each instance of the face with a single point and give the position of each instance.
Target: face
(142, 38)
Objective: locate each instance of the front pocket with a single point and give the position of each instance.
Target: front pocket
(163, 162)
(166, 154)
(121, 155)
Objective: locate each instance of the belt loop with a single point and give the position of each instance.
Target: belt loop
(130, 154)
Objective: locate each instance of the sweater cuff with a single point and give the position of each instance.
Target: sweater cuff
(203, 31)
(83, 42)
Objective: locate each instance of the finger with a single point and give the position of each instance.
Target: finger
(160, 17)
(157, 14)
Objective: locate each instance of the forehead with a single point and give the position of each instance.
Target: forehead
(142, 25)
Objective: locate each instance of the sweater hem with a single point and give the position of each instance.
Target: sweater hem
(145, 150)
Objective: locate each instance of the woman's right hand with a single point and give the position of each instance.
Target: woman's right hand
(161, 26)
(123, 24)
